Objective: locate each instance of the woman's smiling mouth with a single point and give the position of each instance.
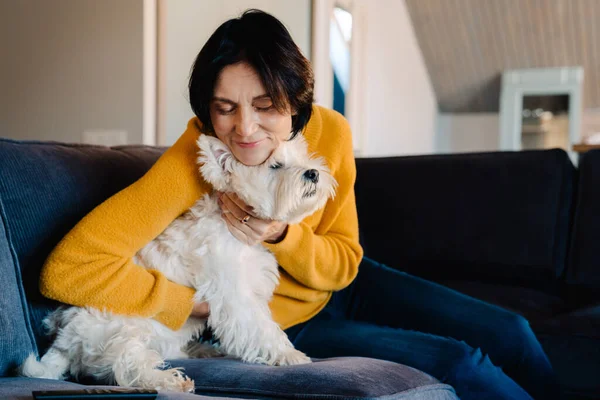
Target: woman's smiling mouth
(249, 145)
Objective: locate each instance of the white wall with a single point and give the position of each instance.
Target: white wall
(458, 133)
(400, 105)
(470, 132)
(68, 66)
(184, 26)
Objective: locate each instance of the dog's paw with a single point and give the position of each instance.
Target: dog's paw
(292, 357)
(187, 385)
(174, 380)
(180, 384)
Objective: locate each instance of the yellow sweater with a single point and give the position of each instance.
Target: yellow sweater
(93, 264)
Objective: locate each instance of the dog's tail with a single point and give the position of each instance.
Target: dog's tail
(53, 365)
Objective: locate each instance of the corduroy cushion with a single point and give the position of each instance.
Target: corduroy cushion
(332, 378)
(496, 217)
(46, 188)
(16, 337)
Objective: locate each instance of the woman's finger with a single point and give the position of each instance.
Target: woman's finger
(231, 204)
(242, 215)
(227, 205)
(240, 203)
(241, 231)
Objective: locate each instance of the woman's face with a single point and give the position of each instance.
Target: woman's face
(243, 115)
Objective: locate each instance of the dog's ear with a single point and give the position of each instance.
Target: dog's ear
(215, 160)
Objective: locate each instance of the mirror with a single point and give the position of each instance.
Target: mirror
(540, 108)
(545, 122)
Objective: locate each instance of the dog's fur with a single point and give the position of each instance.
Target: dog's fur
(197, 250)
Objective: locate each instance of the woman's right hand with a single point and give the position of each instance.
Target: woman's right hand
(201, 310)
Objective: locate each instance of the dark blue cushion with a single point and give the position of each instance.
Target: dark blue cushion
(332, 378)
(46, 188)
(16, 337)
(496, 217)
(584, 262)
(533, 304)
(572, 343)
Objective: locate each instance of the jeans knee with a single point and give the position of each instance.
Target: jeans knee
(518, 326)
(519, 339)
(469, 361)
(473, 375)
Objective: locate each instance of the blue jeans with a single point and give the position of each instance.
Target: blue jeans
(483, 351)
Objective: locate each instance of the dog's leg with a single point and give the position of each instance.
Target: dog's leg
(53, 365)
(246, 330)
(138, 366)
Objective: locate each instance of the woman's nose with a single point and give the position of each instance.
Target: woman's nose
(246, 124)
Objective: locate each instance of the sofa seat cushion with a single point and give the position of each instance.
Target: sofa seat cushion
(572, 342)
(531, 303)
(582, 323)
(576, 361)
(21, 388)
(332, 378)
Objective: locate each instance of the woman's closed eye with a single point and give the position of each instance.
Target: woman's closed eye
(225, 111)
(263, 109)
(263, 104)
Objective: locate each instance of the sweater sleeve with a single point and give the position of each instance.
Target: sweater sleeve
(93, 264)
(326, 257)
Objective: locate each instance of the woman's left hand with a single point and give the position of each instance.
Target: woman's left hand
(254, 230)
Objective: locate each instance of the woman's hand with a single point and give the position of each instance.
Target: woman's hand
(245, 226)
(201, 310)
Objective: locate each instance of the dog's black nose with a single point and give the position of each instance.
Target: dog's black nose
(312, 175)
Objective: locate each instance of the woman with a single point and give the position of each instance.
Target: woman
(252, 88)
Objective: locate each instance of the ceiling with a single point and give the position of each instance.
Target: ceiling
(467, 44)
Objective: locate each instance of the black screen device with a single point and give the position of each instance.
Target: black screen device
(100, 394)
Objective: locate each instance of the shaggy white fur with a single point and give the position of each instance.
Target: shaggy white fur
(197, 250)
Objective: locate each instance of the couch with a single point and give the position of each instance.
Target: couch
(517, 229)
(45, 189)
(512, 228)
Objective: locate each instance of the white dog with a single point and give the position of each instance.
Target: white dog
(197, 250)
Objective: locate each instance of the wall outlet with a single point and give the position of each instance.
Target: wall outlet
(105, 137)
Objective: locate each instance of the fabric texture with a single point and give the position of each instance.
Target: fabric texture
(45, 189)
(93, 264)
(16, 336)
(335, 378)
(493, 217)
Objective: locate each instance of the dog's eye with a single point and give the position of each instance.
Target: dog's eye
(276, 166)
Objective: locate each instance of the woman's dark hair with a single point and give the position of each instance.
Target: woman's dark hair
(263, 42)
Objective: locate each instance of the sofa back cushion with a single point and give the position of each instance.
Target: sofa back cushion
(499, 216)
(583, 273)
(46, 188)
(16, 337)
